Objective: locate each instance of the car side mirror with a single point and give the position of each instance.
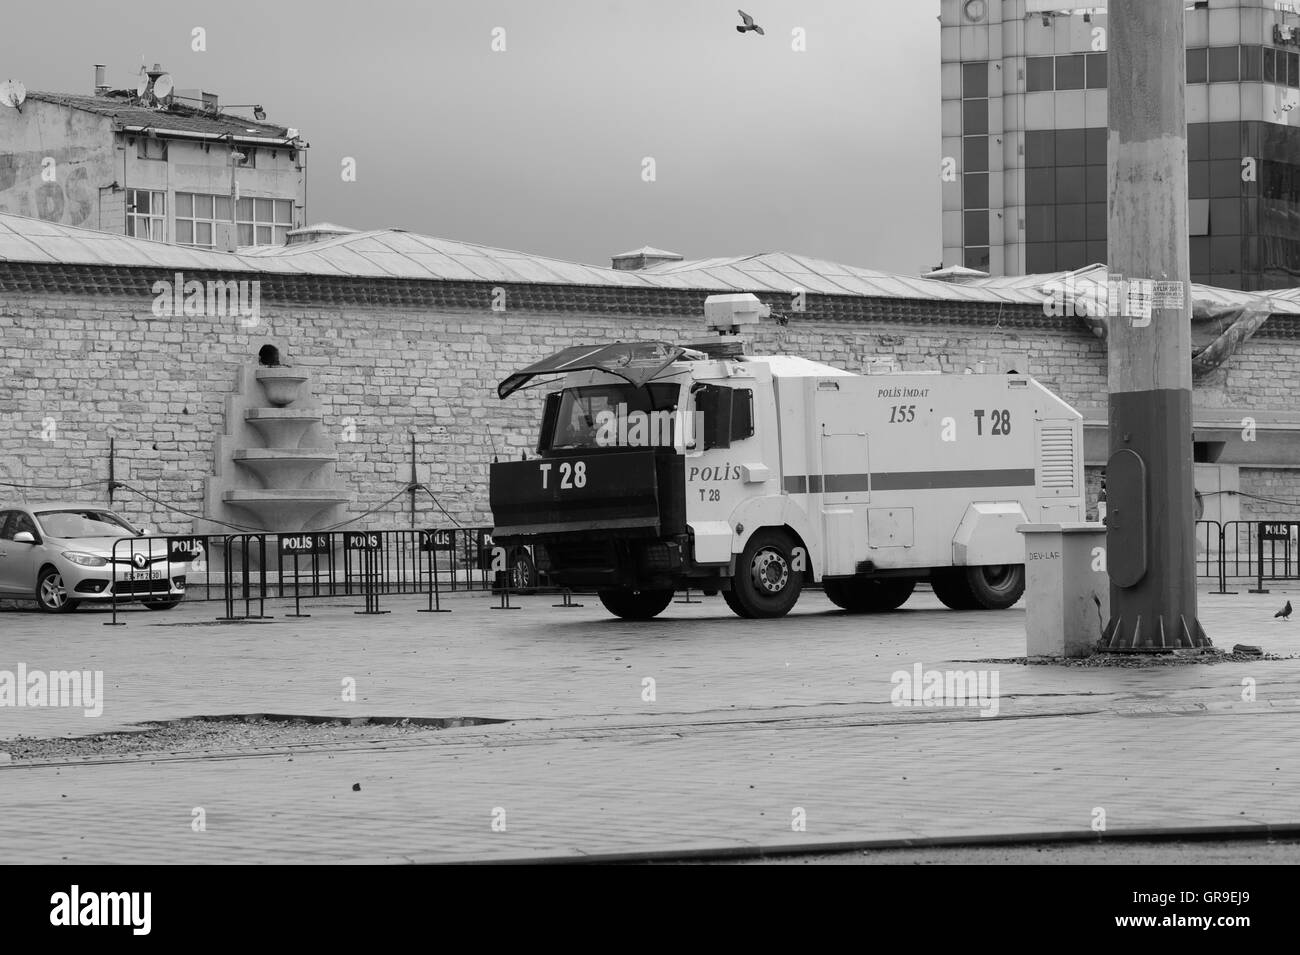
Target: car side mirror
(24, 537)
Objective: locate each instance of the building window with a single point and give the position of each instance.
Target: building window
(148, 148)
(1069, 72)
(1198, 70)
(1038, 74)
(1224, 61)
(258, 221)
(975, 117)
(1096, 71)
(977, 258)
(146, 214)
(1270, 59)
(1252, 68)
(975, 191)
(975, 154)
(1071, 147)
(264, 221)
(1040, 147)
(197, 216)
(975, 80)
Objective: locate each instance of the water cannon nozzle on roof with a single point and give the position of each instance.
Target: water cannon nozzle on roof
(726, 314)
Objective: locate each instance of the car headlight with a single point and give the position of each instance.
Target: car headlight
(85, 560)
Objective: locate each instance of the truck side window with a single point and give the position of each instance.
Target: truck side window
(742, 414)
(714, 406)
(550, 416)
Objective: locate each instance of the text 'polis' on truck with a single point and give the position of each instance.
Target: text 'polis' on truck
(663, 467)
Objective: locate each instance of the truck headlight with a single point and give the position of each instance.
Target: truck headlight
(85, 560)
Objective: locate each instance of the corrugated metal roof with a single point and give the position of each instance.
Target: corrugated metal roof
(394, 253)
(782, 271)
(178, 117)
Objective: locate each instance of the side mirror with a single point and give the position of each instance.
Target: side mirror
(145, 532)
(24, 537)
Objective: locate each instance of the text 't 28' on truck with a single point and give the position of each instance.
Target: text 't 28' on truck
(664, 467)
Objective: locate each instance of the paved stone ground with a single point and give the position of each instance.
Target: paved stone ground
(753, 725)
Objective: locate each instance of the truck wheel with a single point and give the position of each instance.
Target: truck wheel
(766, 584)
(949, 585)
(995, 586)
(876, 595)
(636, 604)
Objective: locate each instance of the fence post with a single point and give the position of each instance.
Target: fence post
(112, 560)
(1259, 566)
(435, 593)
(568, 600)
(297, 588)
(1223, 572)
(509, 578)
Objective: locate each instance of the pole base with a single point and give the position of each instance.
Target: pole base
(1153, 635)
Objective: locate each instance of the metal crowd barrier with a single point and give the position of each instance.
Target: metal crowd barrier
(1272, 537)
(153, 566)
(1264, 550)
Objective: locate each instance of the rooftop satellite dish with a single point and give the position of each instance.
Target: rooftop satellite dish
(163, 86)
(12, 94)
(142, 86)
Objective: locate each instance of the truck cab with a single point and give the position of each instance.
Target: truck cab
(661, 467)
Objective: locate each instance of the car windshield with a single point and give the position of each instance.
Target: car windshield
(602, 416)
(87, 523)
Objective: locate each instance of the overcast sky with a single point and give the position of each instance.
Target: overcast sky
(831, 152)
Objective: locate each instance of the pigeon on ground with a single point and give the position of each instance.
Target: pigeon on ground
(749, 24)
(1285, 612)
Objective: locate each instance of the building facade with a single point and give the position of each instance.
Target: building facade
(1024, 113)
(153, 167)
(404, 338)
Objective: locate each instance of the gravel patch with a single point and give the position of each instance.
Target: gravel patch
(224, 734)
(1142, 660)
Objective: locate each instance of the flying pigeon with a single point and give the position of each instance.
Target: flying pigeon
(749, 24)
(1285, 612)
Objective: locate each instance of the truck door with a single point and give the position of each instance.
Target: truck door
(841, 475)
(846, 471)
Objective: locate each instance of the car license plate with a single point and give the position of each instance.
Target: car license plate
(143, 575)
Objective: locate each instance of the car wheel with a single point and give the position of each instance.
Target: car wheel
(636, 604)
(522, 574)
(869, 596)
(51, 595)
(766, 584)
(162, 604)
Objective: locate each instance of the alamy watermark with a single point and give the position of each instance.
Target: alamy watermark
(63, 688)
(922, 687)
(177, 297)
(620, 428)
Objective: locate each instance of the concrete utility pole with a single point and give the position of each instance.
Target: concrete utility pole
(1150, 540)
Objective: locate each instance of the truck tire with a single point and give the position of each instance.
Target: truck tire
(873, 595)
(766, 584)
(636, 604)
(991, 587)
(949, 585)
(996, 586)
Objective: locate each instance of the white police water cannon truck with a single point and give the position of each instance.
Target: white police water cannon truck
(664, 467)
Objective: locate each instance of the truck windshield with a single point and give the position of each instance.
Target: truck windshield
(618, 415)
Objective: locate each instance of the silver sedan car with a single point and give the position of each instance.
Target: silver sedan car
(63, 554)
